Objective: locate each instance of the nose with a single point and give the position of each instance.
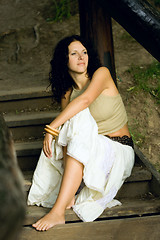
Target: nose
(80, 56)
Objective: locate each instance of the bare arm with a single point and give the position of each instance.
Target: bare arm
(64, 102)
(101, 80)
(48, 137)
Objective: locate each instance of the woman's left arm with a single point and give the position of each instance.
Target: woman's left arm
(101, 80)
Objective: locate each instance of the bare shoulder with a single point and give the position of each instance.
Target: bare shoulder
(103, 76)
(102, 70)
(68, 93)
(66, 98)
(103, 73)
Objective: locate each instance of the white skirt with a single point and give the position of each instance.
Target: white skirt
(106, 165)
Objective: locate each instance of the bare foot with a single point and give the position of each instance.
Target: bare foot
(71, 203)
(48, 221)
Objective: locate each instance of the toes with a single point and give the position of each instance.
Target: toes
(44, 228)
(37, 225)
(48, 222)
(40, 226)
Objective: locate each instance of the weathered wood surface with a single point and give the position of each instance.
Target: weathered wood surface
(120, 229)
(12, 200)
(139, 174)
(96, 26)
(129, 207)
(155, 182)
(139, 18)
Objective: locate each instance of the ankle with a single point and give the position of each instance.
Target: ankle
(57, 210)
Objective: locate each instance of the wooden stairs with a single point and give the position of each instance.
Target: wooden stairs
(137, 218)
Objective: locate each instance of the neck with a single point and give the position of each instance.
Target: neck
(80, 79)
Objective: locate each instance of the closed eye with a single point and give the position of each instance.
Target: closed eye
(73, 53)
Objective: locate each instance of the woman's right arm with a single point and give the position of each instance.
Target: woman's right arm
(48, 137)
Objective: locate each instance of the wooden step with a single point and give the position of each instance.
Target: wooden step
(137, 185)
(137, 219)
(26, 99)
(29, 125)
(129, 208)
(119, 229)
(143, 161)
(28, 154)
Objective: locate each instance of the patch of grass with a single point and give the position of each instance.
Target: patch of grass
(60, 10)
(147, 78)
(127, 37)
(138, 138)
(157, 166)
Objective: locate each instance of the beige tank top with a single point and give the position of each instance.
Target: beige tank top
(108, 111)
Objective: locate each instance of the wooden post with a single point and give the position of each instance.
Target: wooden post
(95, 25)
(12, 197)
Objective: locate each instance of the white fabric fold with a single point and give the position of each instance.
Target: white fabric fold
(106, 165)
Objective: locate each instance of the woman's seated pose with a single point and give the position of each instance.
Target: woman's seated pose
(94, 144)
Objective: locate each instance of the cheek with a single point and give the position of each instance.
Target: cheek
(87, 59)
(71, 63)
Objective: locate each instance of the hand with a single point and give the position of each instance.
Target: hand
(47, 145)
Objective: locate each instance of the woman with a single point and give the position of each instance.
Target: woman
(94, 143)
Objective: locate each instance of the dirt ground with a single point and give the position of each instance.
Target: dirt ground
(143, 112)
(26, 44)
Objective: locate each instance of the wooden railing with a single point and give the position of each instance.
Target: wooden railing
(137, 17)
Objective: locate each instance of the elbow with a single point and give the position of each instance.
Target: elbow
(86, 102)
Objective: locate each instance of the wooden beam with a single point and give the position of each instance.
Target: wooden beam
(139, 18)
(96, 26)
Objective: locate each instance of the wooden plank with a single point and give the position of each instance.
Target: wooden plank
(140, 19)
(128, 208)
(133, 190)
(155, 183)
(128, 190)
(139, 174)
(120, 229)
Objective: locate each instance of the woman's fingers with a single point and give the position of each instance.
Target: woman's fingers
(47, 145)
(47, 150)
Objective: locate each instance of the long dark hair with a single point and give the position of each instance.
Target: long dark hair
(59, 77)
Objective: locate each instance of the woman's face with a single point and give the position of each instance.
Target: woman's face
(78, 58)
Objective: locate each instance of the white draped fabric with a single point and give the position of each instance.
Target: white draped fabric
(106, 165)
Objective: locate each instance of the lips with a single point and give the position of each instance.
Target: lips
(81, 64)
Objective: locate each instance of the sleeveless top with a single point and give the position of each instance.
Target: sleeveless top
(108, 111)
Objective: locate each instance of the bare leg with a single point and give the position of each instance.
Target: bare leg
(70, 183)
(64, 162)
(71, 203)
